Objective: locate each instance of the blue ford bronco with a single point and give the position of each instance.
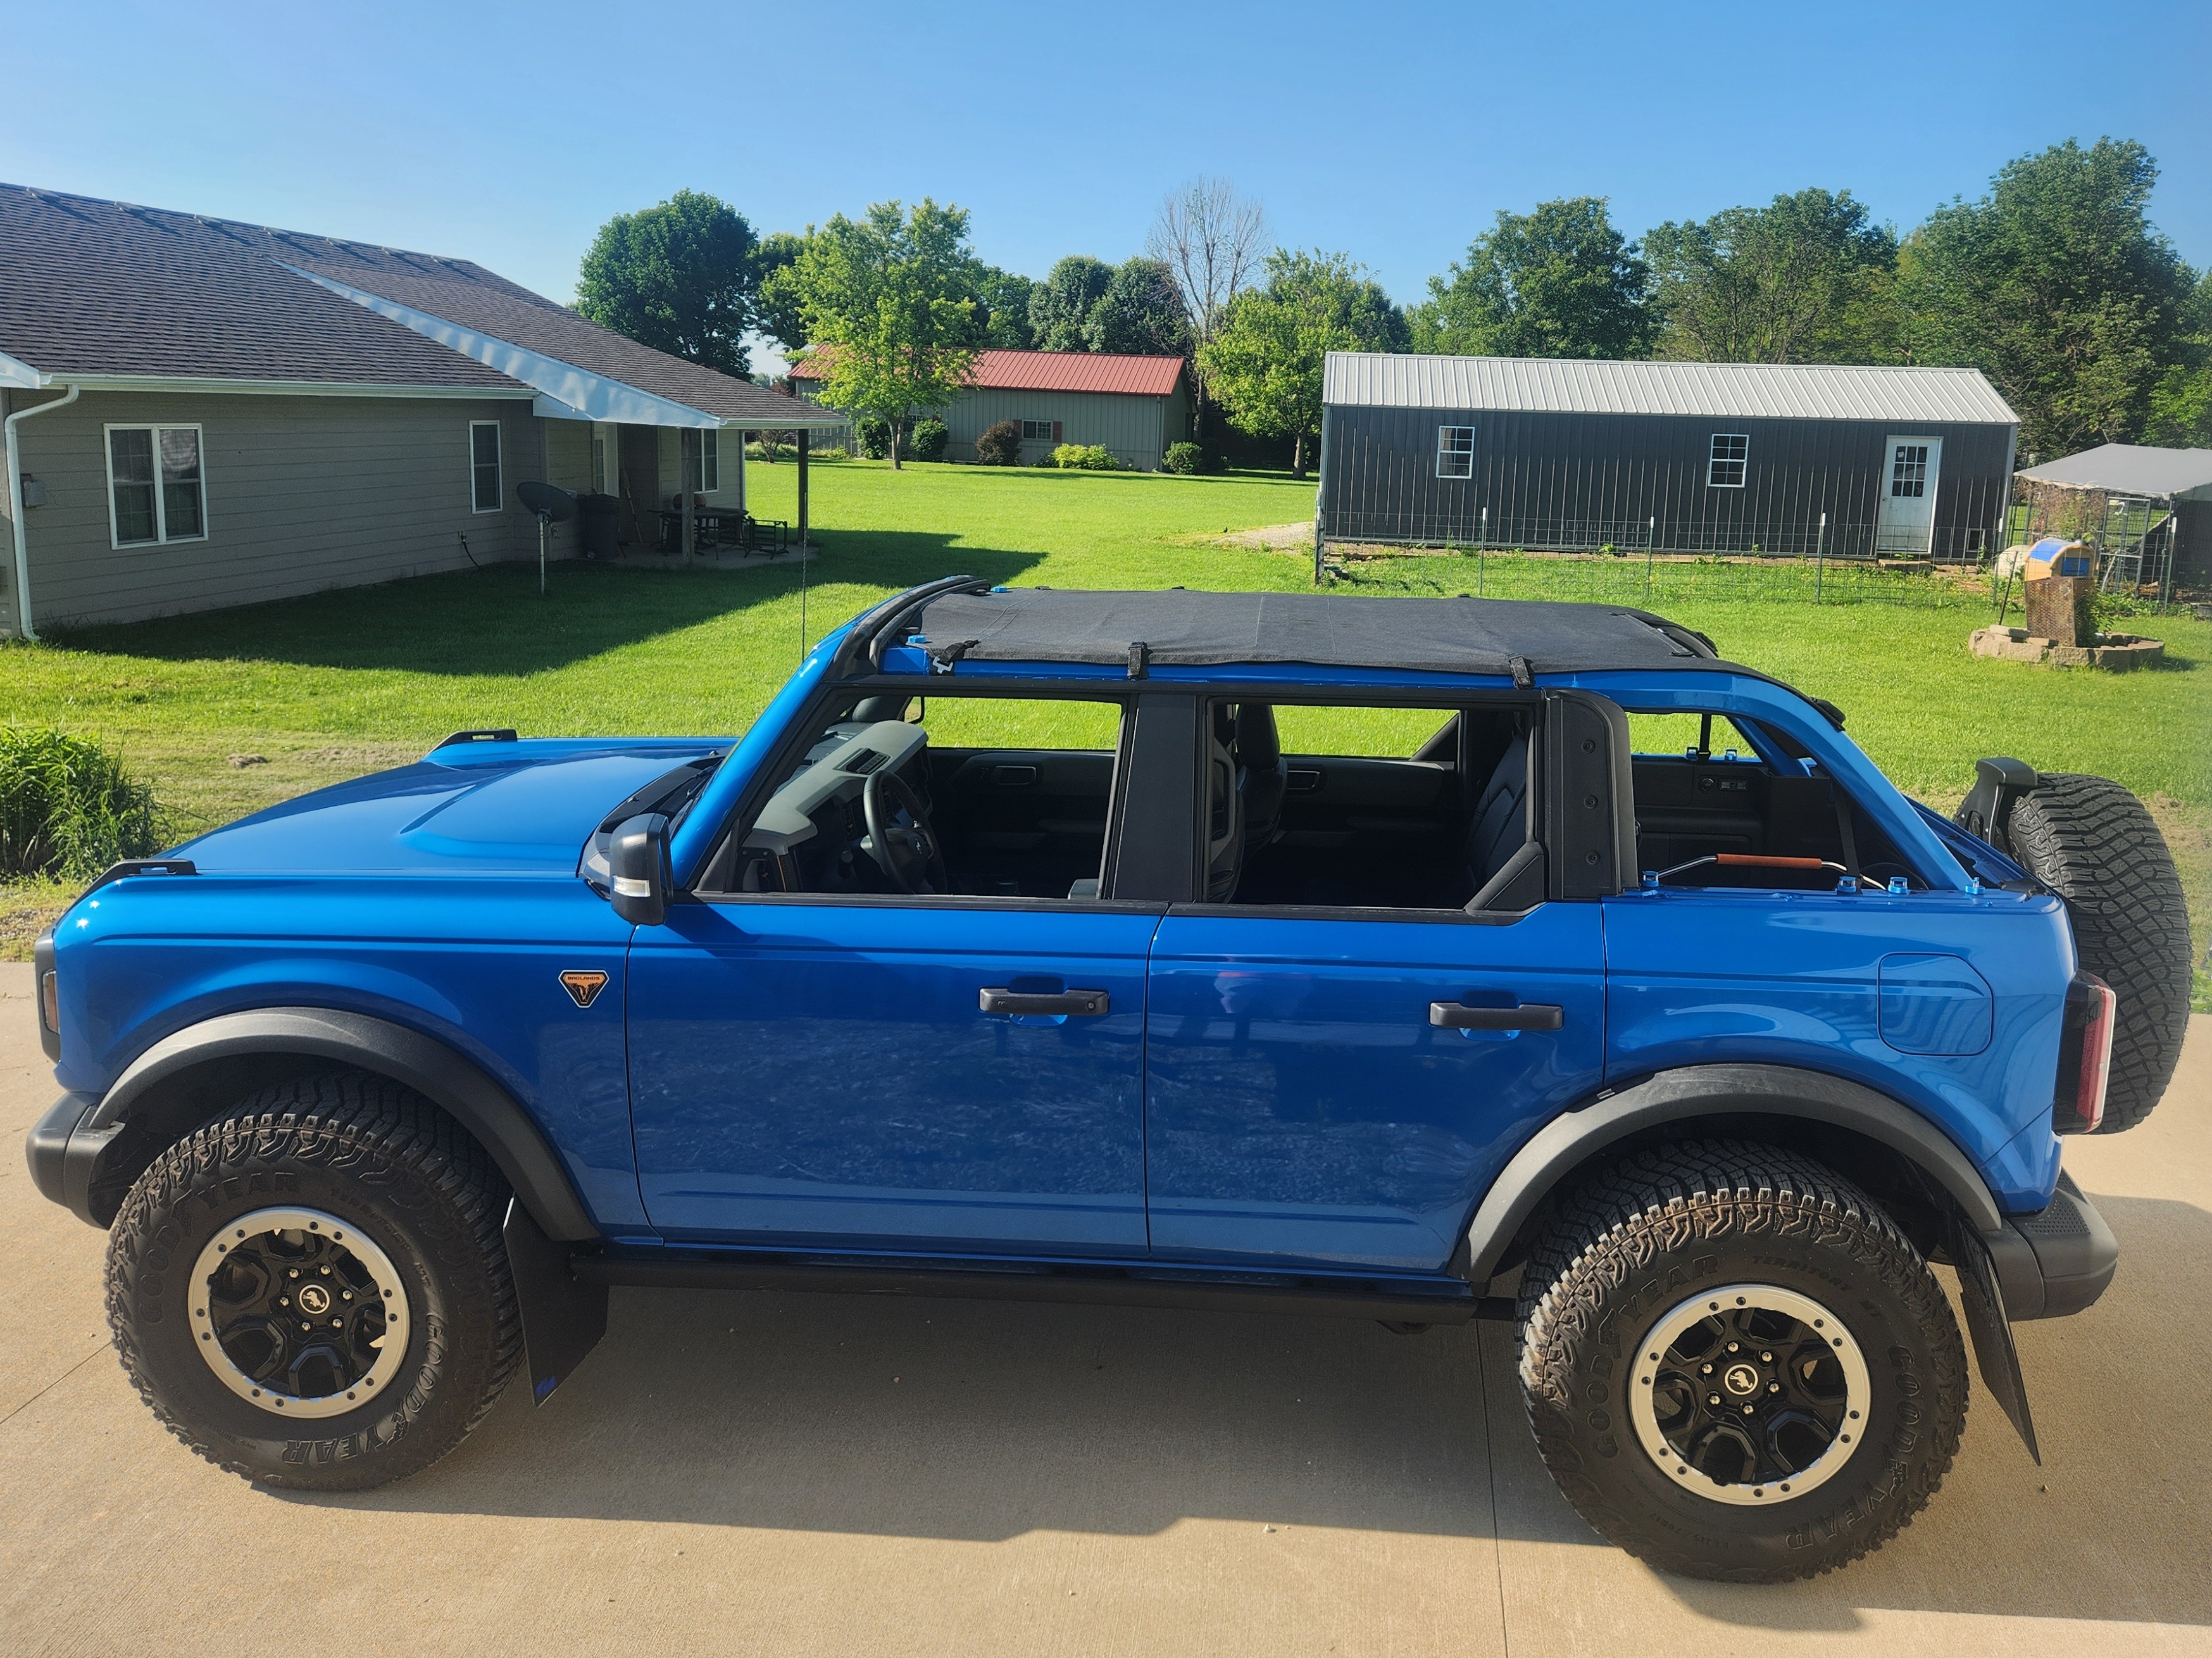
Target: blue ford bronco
(1414, 960)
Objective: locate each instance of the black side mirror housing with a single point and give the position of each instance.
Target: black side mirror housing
(637, 868)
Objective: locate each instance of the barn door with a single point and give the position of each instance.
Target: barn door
(1905, 525)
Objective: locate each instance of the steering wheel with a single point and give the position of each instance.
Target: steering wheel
(905, 851)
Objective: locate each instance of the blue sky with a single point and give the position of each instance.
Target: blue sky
(507, 134)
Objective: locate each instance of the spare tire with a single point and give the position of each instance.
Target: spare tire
(2094, 844)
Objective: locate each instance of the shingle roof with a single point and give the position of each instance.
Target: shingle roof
(2130, 469)
(1753, 390)
(100, 288)
(92, 287)
(1054, 371)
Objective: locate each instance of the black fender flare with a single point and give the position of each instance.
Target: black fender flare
(432, 1068)
(1695, 1091)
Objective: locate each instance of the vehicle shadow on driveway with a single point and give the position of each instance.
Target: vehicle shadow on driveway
(983, 1421)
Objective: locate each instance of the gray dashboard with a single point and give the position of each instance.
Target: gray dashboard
(837, 769)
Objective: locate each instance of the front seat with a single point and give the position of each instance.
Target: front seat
(1263, 775)
(1501, 815)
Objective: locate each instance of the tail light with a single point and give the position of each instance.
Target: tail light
(2084, 1056)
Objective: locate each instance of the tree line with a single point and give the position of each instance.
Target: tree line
(2055, 283)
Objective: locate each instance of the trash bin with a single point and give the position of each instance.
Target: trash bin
(599, 520)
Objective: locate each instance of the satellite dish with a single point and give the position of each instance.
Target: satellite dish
(551, 506)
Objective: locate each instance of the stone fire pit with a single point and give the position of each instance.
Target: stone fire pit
(2116, 651)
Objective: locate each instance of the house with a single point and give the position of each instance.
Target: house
(1133, 406)
(202, 413)
(2149, 510)
(1704, 457)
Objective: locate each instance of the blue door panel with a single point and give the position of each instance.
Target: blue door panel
(821, 1074)
(1829, 982)
(1302, 1108)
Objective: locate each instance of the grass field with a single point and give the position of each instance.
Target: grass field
(325, 687)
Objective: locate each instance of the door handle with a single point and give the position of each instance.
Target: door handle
(1528, 1016)
(1084, 1004)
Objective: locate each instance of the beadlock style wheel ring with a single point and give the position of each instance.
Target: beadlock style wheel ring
(298, 1313)
(1749, 1394)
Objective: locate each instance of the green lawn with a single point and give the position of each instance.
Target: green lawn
(325, 687)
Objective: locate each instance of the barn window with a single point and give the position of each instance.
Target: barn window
(1908, 470)
(1454, 451)
(1039, 431)
(154, 489)
(1731, 458)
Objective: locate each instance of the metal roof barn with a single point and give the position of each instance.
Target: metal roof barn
(1848, 461)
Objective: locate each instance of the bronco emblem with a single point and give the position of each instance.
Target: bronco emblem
(583, 985)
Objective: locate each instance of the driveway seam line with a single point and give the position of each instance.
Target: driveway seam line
(51, 1386)
(1490, 1460)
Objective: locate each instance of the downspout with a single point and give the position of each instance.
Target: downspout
(23, 627)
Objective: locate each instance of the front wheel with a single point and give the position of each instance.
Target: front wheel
(313, 1291)
(1735, 1365)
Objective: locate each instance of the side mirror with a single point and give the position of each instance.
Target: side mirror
(637, 869)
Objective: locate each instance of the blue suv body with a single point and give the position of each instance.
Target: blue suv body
(1185, 1016)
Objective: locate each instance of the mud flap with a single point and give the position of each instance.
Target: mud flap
(1991, 1330)
(562, 1317)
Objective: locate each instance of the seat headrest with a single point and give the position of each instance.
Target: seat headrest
(1257, 744)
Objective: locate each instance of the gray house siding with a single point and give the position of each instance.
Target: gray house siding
(302, 493)
(1137, 428)
(1551, 480)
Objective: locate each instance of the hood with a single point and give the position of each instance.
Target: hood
(508, 807)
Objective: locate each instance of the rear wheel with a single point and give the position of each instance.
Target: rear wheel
(2094, 844)
(313, 1291)
(1736, 1366)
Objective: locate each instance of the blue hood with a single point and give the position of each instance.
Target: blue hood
(516, 808)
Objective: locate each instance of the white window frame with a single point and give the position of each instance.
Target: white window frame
(499, 467)
(1714, 459)
(1443, 435)
(161, 536)
(705, 463)
(1045, 436)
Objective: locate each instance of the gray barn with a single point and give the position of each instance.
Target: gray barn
(1700, 457)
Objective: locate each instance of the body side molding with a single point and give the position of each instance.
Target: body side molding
(1694, 1091)
(451, 1080)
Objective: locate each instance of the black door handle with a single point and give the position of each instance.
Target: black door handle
(1084, 1004)
(1528, 1016)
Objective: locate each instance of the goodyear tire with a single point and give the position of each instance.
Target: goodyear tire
(2094, 844)
(313, 1291)
(1735, 1364)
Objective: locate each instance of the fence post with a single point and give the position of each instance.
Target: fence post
(1481, 552)
(1651, 536)
(1819, 557)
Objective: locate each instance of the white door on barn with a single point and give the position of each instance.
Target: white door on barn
(1904, 523)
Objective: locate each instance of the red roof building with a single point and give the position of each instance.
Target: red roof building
(1133, 406)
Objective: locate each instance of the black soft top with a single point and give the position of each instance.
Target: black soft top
(1501, 637)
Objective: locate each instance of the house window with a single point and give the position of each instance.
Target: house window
(1731, 458)
(1454, 451)
(1908, 470)
(706, 462)
(483, 466)
(155, 492)
(1039, 431)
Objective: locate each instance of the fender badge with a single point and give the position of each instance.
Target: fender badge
(583, 986)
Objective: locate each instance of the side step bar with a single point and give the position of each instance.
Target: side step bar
(1354, 1298)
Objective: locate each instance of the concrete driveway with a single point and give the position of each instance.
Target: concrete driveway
(794, 1474)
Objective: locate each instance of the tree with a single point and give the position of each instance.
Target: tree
(1062, 304)
(1210, 240)
(678, 278)
(2056, 285)
(2181, 402)
(1266, 357)
(775, 304)
(1002, 309)
(1804, 279)
(1139, 313)
(1559, 282)
(891, 298)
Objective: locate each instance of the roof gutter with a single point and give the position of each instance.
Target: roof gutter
(23, 627)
